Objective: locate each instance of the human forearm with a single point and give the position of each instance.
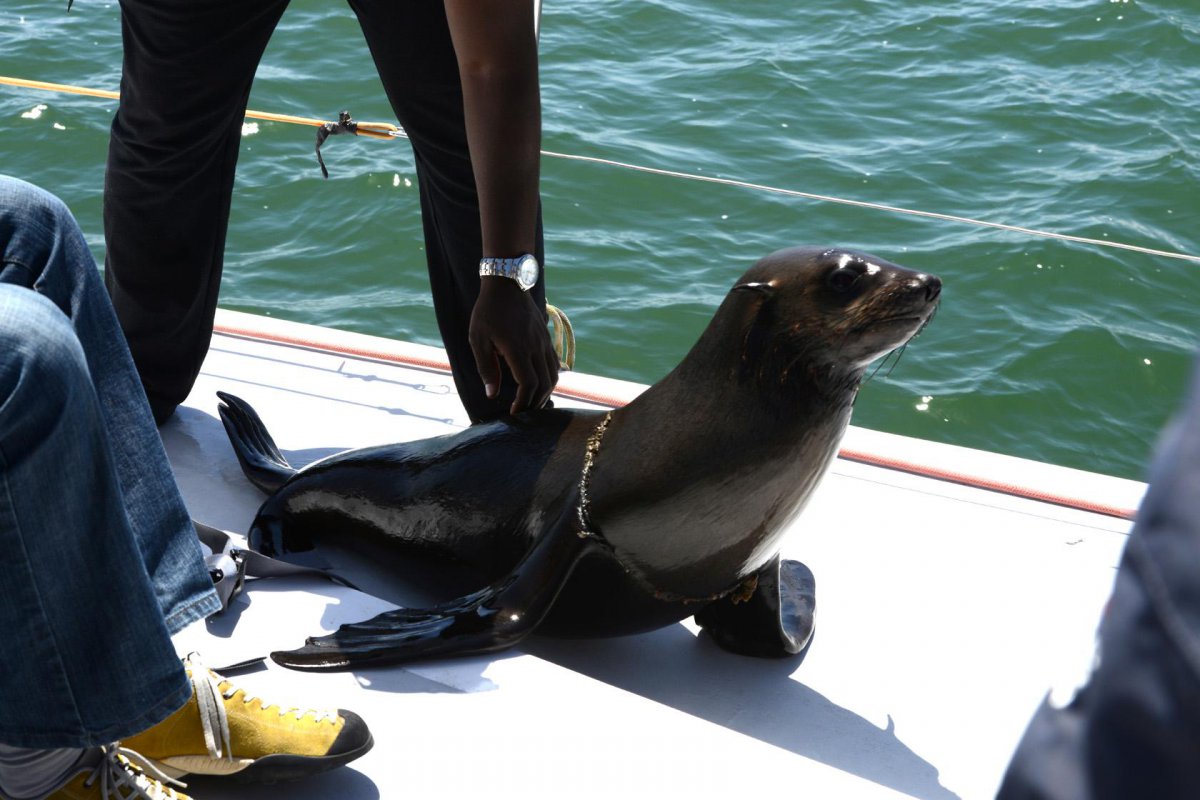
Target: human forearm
(497, 56)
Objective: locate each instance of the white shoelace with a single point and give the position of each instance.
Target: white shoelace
(121, 780)
(210, 700)
(213, 718)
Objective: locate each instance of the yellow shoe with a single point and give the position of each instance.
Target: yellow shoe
(222, 730)
(113, 777)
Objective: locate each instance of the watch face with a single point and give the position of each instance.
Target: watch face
(527, 272)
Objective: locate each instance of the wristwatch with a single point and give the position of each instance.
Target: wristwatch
(523, 269)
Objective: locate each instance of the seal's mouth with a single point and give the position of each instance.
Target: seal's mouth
(895, 321)
(914, 324)
(908, 320)
(928, 319)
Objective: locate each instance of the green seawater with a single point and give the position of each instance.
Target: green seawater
(1078, 117)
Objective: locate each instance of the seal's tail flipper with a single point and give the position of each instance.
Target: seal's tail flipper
(261, 460)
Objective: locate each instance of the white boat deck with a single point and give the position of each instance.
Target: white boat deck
(945, 613)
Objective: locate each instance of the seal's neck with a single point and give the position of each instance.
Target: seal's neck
(767, 383)
(719, 407)
(697, 478)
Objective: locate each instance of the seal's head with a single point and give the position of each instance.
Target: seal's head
(826, 313)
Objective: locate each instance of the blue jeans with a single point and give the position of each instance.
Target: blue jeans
(1134, 729)
(101, 561)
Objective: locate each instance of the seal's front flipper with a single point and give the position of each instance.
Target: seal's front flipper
(775, 621)
(491, 619)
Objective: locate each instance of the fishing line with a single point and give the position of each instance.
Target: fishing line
(383, 130)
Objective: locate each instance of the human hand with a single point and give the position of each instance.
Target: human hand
(507, 324)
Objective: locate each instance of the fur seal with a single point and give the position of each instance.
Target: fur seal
(581, 523)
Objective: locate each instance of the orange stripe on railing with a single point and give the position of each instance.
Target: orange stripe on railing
(977, 482)
(316, 344)
(859, 456)
(441, 365)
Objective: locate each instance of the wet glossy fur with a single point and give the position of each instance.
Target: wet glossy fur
(695, 482)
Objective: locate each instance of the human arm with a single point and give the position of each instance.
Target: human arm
(496, 49)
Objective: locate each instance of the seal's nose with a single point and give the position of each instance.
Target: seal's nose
(933, 288)
(931, 285)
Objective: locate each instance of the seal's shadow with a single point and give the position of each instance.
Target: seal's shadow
(755, 697)
(760, 698)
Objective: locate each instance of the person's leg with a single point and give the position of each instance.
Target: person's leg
(34, 773)
(410, 43)
(1132, 730)
(91, 658)
(42, 248)
(103, 561)
(186, 77)
(95, 773)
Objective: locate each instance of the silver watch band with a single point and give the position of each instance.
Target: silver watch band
(524, 269)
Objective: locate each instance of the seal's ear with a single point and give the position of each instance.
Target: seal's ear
(755, 286)
(757, 326)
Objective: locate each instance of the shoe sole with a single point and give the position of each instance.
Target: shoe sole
(268, 769)
(276, 768)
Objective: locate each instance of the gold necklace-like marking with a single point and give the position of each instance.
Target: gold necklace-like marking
(742, 591)
(585, 477)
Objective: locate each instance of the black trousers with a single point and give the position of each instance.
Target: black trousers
(187, 71)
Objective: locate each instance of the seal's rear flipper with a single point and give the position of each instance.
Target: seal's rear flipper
(491, 619)
(261, 460)
(775, 621)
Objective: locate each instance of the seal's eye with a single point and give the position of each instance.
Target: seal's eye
(844, 277)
